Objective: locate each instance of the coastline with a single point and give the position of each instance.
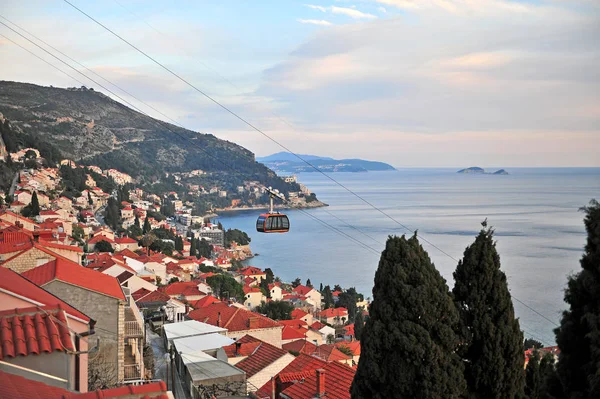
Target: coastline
(317, 204)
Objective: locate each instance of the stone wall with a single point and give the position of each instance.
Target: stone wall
(28, 260)
(269, 335)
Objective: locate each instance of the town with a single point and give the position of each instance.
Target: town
(117, 285)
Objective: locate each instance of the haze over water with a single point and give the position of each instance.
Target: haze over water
(534, 212)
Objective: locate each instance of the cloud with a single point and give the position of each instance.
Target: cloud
(320, 22)
(382, 10)
(349, 12)
(314, 7)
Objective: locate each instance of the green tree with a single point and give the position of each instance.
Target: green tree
(491, 339)
(77, 232)
(276, 310)
(224, 286)
(269, 275)
(236, 235)
(147, 240)
(264, 287)
(538, 375)
(136, 222)
(337, 288)
(321, 287)
(327, 298)
(531, 343)
(147, 228)
(193, 250)
(408, 344)
(103, 246)
(204, 248)
(296, 282)
(347, 300)
(308, 283)
(179, 243)
(173, 280)
(90, 201)
(578, 335)
(359, 325)
(35, 205)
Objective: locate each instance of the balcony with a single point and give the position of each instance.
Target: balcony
(134, 323)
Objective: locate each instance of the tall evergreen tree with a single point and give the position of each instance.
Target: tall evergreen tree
(193, 247)
(147, 228)
(35, 205)
(359, 324)
(491, 339)
(327, 297)
(578, 336)
(136, 222)
(308, 283)
(408, 344)
(540, 369)
(321, 287)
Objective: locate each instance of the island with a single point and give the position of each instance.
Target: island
(285, 162)
(480, 171)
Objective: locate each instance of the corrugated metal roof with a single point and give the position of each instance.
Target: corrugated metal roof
(190, 328)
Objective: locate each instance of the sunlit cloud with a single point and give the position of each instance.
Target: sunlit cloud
(320, 22)
(351, 12)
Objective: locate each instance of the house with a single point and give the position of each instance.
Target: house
(353, 347)
(96, 239)
(313, 296)
(188, 328)
(123, 243)
(262, 364)
(18, 220)
(334, 316)
(253, 297)
(299, 314)
(120, 323)
(250, 271)
(239, 322)
(330, 353)
(37, 253)
(276, 291)
(300, 346)
(308, 377)
(187, 290)
(23, 304)
(298, 329)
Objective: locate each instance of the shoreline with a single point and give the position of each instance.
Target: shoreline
(318, 204)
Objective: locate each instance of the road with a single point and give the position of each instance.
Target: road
(161, 360)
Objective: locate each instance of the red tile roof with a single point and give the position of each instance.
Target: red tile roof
(301, 364)
(54, 245)
(155, 390)
(15, 386)
(317, 325)
(248, 289)
(338, 379)
(264, 355)
(248, 345)
(334, 312)
(294, 323)
(354, 346)
(298, 313)
(70, 272)
(201, 303)
(290, 332)
(13, 282)
(31, 331)
(128, 253)
(154, 296)
(330, 353)
(250, 271)
(139, 294)
(9, 247)
(349, 329)
(300, 346)
(185, 288)
(302, 290)
(125, 240)
(100, 237)
(232, 317)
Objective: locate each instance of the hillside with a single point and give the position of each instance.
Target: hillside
(284, 162)
(87, 126)
(475, 170)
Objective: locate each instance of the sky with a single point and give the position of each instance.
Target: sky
(415, 83)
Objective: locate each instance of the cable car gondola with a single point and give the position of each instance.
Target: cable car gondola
(273, 222)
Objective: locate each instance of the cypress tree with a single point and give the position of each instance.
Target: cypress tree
(35, 205)
(136, 222)
(359, 324)
(492, 341)
(578, 336)
(147, 228)
(408, 344)
(327, 298)
(193, 247)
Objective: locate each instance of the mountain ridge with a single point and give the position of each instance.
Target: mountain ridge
(286, 162)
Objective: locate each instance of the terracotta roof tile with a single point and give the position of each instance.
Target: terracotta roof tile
(232, 317)
(300, 346)
(354, 346)
(185, 288)
(70, 272)
(264, 355)
(301, 364)
(15, 386)
(201, 303)
(154, 296)
(247, 346)
(334, 312)
(290, 332)
(155, 390)
(330, 353)
(31, 331)
(139, 294)
(338, 379)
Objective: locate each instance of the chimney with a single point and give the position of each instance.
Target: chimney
(253, 323)
(219, 319)
(320, 383)
(36, 236)
(187, 308)
(237, 347)
(273, 388)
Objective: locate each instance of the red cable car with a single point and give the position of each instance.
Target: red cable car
(273, 222)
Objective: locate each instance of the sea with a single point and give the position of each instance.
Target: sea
(535, 213)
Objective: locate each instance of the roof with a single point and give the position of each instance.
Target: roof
(125, 240)
(128, 253)
(100, 237)
(185, 288)
(213, 369)
(317, 325)
(247, 346)
(248, 289)
(231, 317)
(15, 386)
(349, 329)
(155, 390)
(203, 302)
(298, 313)
(330, 353)
(154, 296)
(338, 379)
(142, 292)
(32, 331)
(354, 346)
(300, 346)
(190, 328)
(200, 343)
(302, 289)
(334, 312)
(264, 355)
(250, 271)
(54, 245)
(14, 282)
(70, 272)
(290, 332)
(301, 364)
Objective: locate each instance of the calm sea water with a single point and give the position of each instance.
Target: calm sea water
(534, 212)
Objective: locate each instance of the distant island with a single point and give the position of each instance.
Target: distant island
(285, 162)
(480, 171)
